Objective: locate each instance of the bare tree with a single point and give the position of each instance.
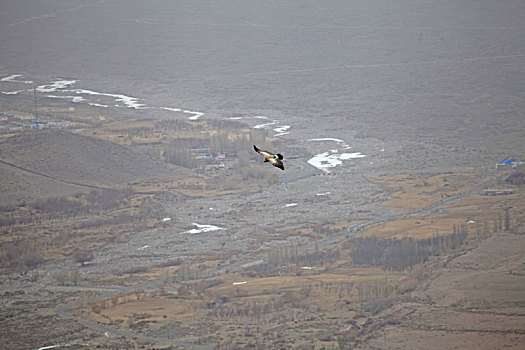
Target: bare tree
(75, 277)
(32, 259)
(83, 255)
(62, 277)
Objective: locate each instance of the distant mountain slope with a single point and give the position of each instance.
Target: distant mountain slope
(62, 156)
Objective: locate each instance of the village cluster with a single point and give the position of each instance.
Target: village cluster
(10, 122)
(208, 161)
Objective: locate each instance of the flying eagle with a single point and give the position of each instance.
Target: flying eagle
(275, 159)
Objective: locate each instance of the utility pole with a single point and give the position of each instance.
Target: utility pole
(34, 97)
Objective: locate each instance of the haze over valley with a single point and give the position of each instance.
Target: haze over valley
(135, 213)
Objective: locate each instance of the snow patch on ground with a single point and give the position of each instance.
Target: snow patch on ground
(323, 194)
(82, 95)
(203, 228)
(279, 129)
(12, 78)
(332, 158)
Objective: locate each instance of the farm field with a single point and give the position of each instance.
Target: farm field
(299, 291)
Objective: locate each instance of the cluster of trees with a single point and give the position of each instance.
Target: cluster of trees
(326, 227)
(64, 207)
(401, 254)
(285, 260)
(26, 253)
(176, 125)
(391, 254)
(59, 206)
(23, 253)
(504, 223)
(188, 271)
(234, 140)
(108, 198)
(179, 151)
(180, 155)
(374, 289)
(255, 309)
(18, 254)
(83, 255)
(140, 131)
(516, 179)
(289, 255)
(66, 277)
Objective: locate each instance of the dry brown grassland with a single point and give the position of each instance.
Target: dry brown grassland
(453, 298)
(51, 210)
(335, 304)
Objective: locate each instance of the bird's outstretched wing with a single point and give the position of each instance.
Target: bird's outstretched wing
(277, 163)
(274, 158)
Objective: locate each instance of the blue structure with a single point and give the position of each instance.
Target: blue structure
(509, 162)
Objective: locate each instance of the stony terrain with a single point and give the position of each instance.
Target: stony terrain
(155, 261)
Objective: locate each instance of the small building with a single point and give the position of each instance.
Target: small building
(497, 191)
(212, 167)
(507, 163)
(12, 119)
(203, 156)
(201, 153)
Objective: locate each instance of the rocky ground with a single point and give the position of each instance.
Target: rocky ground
(470, 300)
